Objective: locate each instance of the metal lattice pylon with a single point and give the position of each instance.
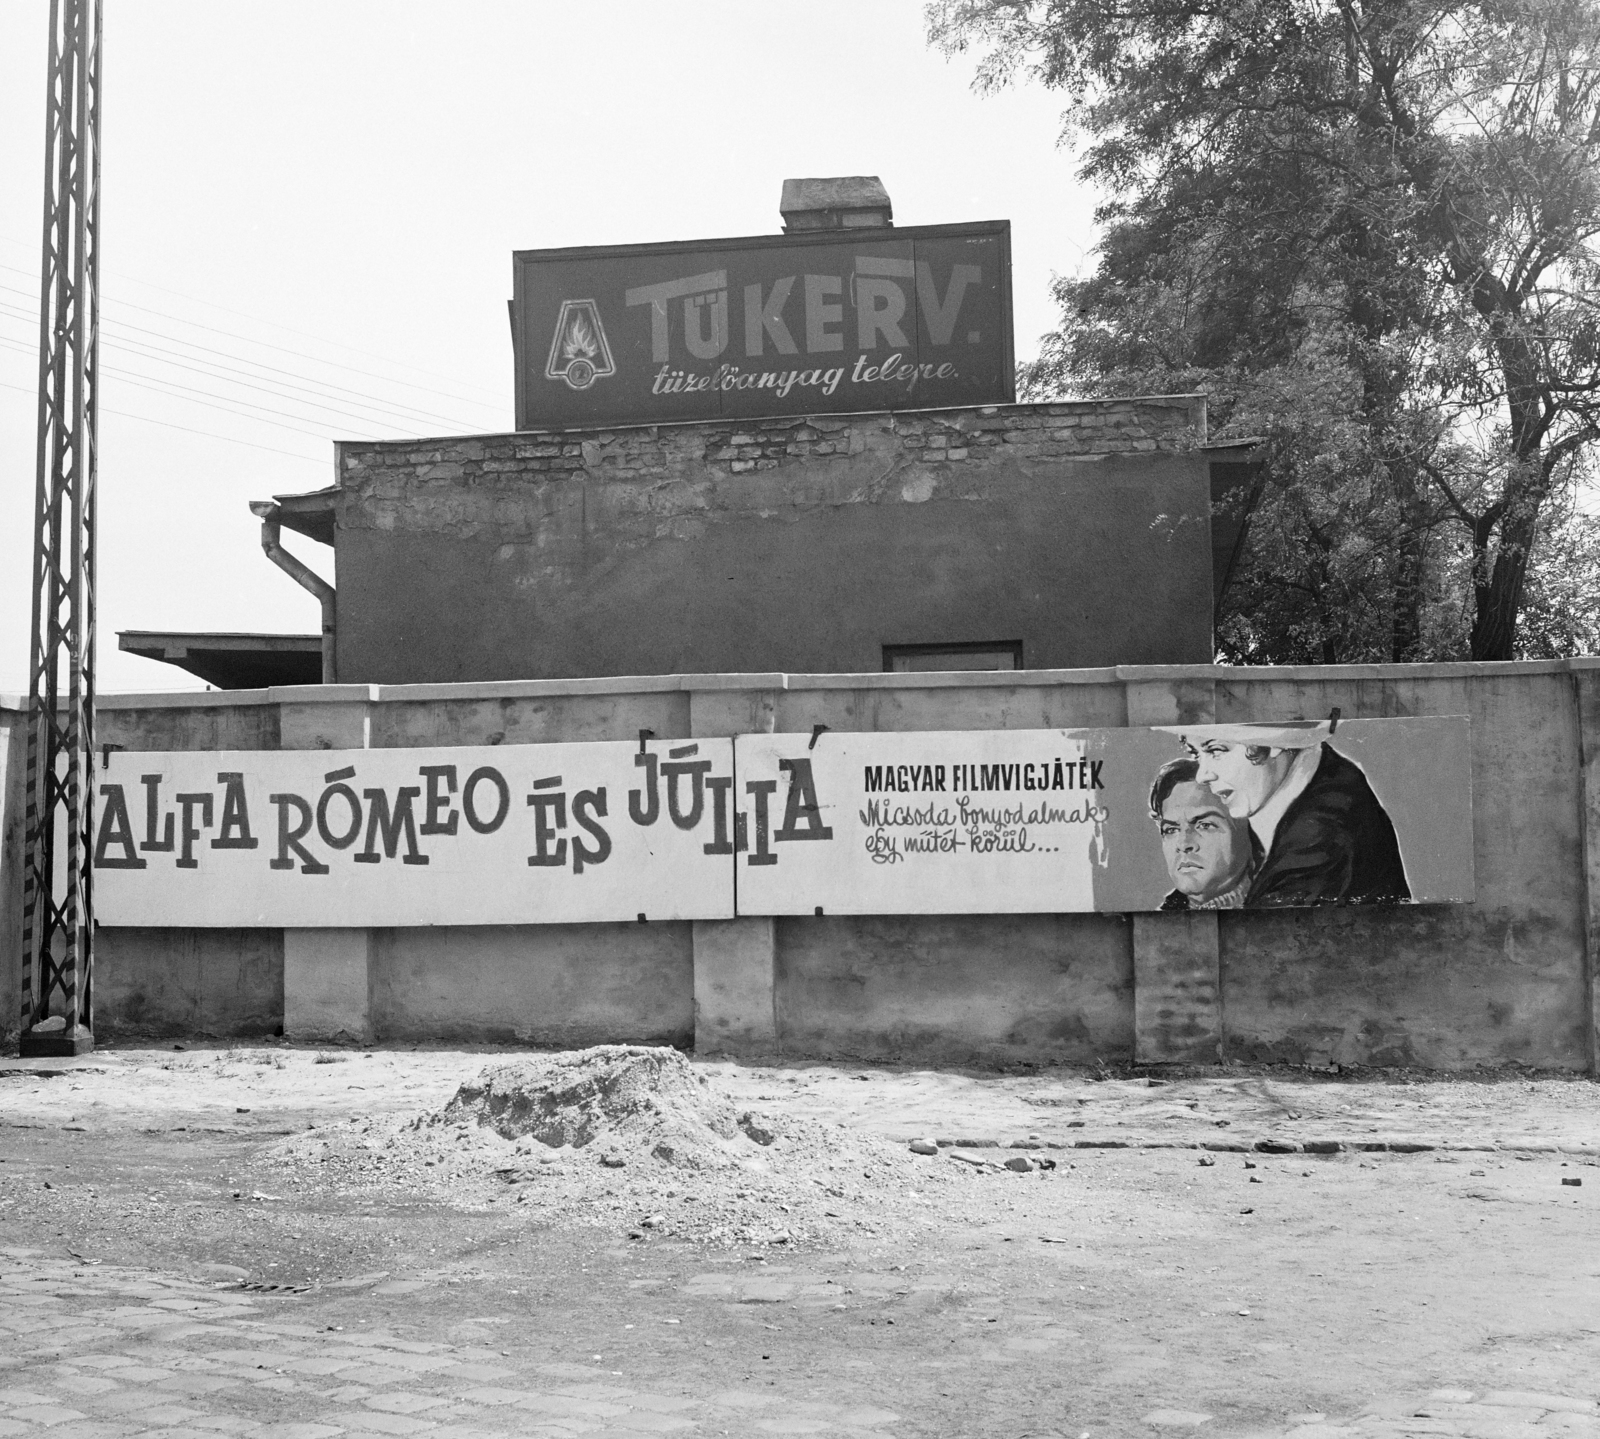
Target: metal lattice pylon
(58, 903)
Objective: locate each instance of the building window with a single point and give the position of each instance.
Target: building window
(982, 655)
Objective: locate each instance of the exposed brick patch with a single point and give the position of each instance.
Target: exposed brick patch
(656, 470)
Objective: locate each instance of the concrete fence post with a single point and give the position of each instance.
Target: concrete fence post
(735, 960)
(1177, 968)
(327, 982)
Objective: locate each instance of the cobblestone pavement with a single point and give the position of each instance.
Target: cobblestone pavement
(95, 1351)
(103, 1352)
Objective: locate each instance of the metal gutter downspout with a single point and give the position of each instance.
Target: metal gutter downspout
(267, 512)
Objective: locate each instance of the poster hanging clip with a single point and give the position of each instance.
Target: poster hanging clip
(816, 734)
(645, 734)
(1333, 720)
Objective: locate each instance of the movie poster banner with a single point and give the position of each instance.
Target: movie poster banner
(1253, 816)
(507, 834)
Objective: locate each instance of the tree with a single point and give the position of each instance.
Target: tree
(1400, 192)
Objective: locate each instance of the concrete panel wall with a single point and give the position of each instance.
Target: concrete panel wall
(957, 989)
(244, 720)
(1089, 699)
(222, 983)
(1508, 979)
(561, 985)
(804, 544)
(427, 716)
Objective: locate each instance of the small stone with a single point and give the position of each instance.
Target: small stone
(1573, 1183)
(653, 1221)
(1206, 1162)
(1255, 1179)
(1248, 1164)
(1323, 1146)
(1020, 1163)
(924, 1146)
(613, 1161)
(756, 1131)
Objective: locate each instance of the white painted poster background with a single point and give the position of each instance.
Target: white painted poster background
(509, 834)
(911, 828)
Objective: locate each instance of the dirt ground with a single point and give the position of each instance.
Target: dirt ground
(1145, 1265)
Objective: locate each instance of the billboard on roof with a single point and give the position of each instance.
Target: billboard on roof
(830, 321)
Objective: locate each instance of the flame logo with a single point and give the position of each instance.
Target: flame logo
(580, 354)
(580, 340)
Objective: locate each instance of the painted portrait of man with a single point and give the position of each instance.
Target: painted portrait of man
(1318, 832)
(1207, 850)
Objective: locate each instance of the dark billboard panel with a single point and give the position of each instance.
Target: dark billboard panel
(826, 322)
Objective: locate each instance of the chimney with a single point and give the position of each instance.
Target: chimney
(842, 202)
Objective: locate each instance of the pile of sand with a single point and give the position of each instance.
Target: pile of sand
(622, 1137)
(623, 1100)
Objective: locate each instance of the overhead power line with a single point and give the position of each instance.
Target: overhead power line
(357, 422)
(201, 397)
(299, 354)
(362, 401)
(407, 413)
(348, 410)
(168, 425)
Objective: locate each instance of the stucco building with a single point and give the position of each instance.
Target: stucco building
(1018, 536)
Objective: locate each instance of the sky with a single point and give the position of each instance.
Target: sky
(308, 212)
